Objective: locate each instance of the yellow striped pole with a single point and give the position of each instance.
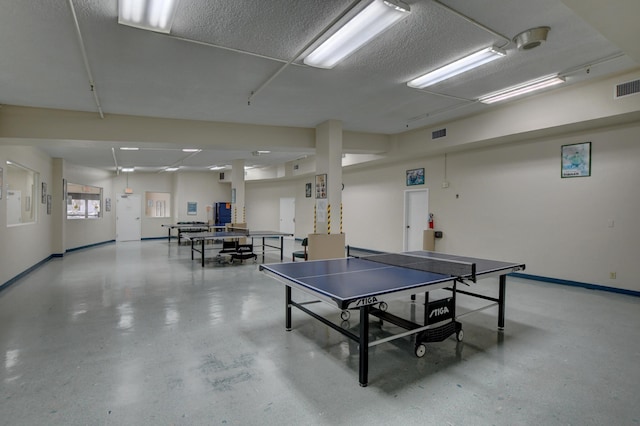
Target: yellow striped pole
(341, 218)
(244, 214)
(315, 218)
(328, 218)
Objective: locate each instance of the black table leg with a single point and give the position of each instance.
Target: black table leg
(501, 301)
(364, 345)
(202, 253)
(287, 300)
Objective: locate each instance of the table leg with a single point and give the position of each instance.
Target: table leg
(501, 301)
(169, 237)
(281, 249)
(191, 249)
(202, 253)
(364, 345)
(287, 300)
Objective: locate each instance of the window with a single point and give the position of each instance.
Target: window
(157, 204)
(83, 201)
(22, 186)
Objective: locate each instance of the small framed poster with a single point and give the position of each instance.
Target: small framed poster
(48, 203)
(307, 190)
(44, 192)
(576, 160)
(192, 208)
(415, 177)
(321, 186)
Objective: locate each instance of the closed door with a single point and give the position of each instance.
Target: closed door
(416, 208)
(128, 224)
(288, 215)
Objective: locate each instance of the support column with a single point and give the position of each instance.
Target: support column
(238, 214)
(329, 168)
(58, 208)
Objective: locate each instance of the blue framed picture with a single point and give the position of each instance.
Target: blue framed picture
(576, 160)
(192, 208)
(415, 177)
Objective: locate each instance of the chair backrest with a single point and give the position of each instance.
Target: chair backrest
(305, 242)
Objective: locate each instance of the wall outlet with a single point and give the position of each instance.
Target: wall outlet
(612, 275)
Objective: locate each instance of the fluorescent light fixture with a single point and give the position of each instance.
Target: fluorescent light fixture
(190, 150)
(127, 169)
(521, 89)
(152, 15)
(129, 148)
(371, 21)
(217, 168)
(171, 169)
(467, 63)
(258, 153)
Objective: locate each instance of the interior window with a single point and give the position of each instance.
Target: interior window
(83, 201)
(157, 204)
(22, 189)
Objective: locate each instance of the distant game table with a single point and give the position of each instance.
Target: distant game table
(235, 234)
(191, 227)
(369, 282)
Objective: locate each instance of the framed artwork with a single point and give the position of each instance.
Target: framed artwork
(107, 204)
(48, 203)
(1, 183)
(321, 186)
(307, 190)
(192, 208)
(415, 177)
(44, 192)
(576, 160)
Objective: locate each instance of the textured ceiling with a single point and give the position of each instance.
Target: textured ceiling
(142, 73)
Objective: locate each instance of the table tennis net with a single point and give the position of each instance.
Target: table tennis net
(458, 269)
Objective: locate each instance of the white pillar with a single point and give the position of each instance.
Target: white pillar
(329, 165)
(237, 187)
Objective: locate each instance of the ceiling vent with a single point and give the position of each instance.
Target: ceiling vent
(531, 38)
(626, 89)
(439, 133)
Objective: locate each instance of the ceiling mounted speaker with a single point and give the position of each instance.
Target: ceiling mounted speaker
(531, 38)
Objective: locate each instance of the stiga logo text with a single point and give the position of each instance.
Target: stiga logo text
(439, 312)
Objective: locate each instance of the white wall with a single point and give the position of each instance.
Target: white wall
(23, 246)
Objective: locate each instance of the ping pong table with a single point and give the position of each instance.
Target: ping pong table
(235, 234)
(191, 227)
(368, 283)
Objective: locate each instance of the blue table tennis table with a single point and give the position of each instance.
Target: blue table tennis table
(366, 284)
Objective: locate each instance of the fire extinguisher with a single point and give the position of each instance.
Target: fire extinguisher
(430, 220)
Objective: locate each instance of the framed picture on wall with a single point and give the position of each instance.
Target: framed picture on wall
(576, 160)
(48, 203)
(44, 192)
(192, 208)
(1, 183)
(307, 190)
(321, 186)
(415, 177)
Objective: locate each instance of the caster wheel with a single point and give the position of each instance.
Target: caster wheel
(459, 335)
(421, 350)
(345, 315)
(383, 306)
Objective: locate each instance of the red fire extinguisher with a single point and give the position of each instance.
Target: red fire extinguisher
(430, 220)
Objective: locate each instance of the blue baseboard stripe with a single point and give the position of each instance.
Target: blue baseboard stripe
(576, 284)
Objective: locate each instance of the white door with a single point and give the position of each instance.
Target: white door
(128, 209)
(288, 215)
(416, 218)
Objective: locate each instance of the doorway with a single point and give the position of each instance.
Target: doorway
(128, 209)
(416, 218)
(288, 215)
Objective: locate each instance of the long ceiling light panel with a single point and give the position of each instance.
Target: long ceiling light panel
(458, 67)
(152, 15)
(521, 89)
(366, 25)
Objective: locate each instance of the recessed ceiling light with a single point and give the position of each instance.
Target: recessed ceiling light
(152, 15)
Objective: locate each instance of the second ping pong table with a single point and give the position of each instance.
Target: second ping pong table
(368, 283)
(237, 233)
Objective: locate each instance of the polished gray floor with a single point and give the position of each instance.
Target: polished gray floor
(138, 334)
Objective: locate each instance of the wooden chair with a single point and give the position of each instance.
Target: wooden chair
(302, 253)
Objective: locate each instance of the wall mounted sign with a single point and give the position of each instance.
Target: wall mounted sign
(576, 160)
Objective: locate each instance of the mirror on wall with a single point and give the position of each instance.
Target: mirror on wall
(21, 191)
(157, 204)
(84, 201)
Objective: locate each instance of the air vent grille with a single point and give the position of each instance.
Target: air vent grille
(438, 133)
(626, 89)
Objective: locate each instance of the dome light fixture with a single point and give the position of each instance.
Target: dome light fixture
(531, 38)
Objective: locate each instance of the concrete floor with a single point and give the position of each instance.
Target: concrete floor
(138, 334)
